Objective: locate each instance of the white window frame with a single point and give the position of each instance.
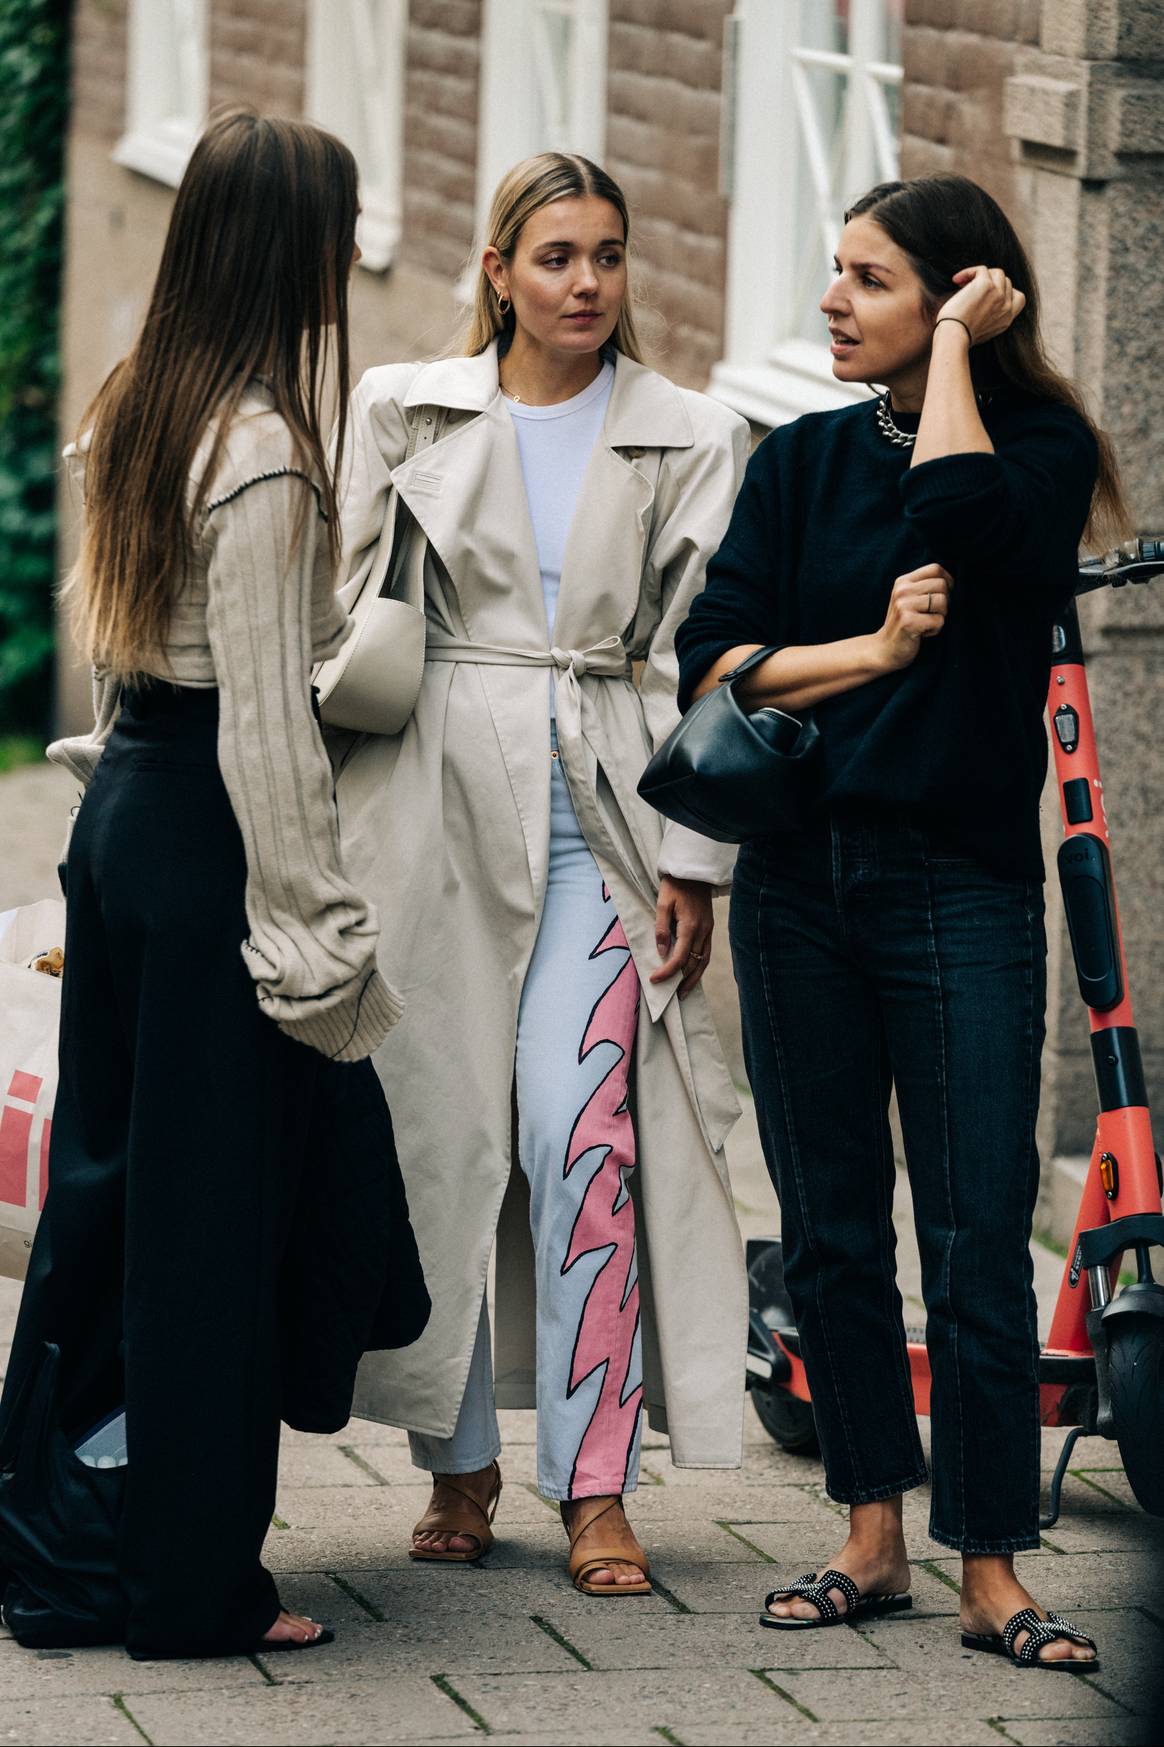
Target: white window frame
(508, 108)
(356, 51)
(160, 133)
(769, 373)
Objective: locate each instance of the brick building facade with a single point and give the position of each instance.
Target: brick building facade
(737, 128)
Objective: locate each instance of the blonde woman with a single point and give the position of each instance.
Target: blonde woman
(548, 934)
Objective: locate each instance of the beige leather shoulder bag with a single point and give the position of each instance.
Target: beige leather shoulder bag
(371, 686)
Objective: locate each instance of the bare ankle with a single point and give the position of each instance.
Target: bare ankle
(877, 1525)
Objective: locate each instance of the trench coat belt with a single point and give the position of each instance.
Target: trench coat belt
(605, 660)
(631, 859)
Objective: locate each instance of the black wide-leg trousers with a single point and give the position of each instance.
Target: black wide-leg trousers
(179, 1148)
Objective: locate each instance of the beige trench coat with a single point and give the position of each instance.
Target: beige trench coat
(446, 828)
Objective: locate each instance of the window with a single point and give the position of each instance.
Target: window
(811, 98)
(167, 87)
(355, 88)
(543, 84)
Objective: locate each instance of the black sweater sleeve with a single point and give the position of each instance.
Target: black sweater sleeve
(1003, 508)
(739, 602)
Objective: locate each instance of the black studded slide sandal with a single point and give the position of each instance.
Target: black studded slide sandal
(1039, 1632)
(815, 1589)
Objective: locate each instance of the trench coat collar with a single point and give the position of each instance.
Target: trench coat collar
(646, 411)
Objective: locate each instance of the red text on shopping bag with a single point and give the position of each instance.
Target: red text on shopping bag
(24, 1141)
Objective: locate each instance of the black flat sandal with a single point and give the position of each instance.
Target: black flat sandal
(262, 1648)
(1041, 1631)
(815, 1589)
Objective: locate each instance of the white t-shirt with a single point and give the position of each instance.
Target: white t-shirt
(555, 444)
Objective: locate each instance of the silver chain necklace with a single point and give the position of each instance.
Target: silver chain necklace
(899, 438)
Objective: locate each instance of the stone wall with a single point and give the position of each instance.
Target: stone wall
(664, 74)
(958, 55)
(256, 54)
(440, 133)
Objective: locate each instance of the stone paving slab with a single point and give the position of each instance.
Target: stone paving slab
(62, 1674)
(676, 1699)
(673, 1640)
(924, 1690)
(1072, 1732)
(407, 1708)
(505, 1592)
(478, 1641)
(95, 1722)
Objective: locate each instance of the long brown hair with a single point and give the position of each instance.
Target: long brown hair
(944, 223)
(522, 191)
(253, 279)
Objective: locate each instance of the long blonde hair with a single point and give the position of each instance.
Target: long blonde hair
(253, 279)
(522, 191)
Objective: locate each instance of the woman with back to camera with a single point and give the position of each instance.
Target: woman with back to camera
(548, 933)
(908, 558)
(225, 1229)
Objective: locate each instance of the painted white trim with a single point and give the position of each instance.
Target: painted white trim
(355, 88)
(510, 122)
(770, 373)
(797, 378)
(167, 87)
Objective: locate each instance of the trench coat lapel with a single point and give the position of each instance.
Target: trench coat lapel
(468, 495)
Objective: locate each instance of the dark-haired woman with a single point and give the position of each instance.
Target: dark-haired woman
(224, 1206)
(908, 556)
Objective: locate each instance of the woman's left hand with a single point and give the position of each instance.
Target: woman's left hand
(684, 924)
(987, 302)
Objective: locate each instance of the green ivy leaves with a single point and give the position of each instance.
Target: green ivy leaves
(34, 42)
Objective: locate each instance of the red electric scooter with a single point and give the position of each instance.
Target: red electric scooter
(1102, 1369)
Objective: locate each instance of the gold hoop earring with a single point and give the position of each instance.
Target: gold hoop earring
(504, 303)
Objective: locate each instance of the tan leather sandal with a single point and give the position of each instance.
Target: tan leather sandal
(453, 1511)
(596, 1558)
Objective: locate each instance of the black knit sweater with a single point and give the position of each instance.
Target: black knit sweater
(829, 514)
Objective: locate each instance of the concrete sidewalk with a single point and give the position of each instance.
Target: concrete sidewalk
(510, 1652)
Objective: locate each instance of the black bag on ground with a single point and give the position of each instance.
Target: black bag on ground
(732, 775)
(58, 1530)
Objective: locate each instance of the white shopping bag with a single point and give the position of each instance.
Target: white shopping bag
(30, 1013)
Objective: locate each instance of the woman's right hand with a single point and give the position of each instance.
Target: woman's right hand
(917, 608)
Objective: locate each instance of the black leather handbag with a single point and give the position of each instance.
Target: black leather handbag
(732, 775)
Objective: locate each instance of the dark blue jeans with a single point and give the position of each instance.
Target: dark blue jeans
(866, 957)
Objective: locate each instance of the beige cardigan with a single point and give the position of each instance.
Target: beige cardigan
(256, 612)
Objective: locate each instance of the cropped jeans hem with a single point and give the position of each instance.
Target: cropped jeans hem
(986, 1549)
(874, 1494)
(566, 1495)
(430, 1461)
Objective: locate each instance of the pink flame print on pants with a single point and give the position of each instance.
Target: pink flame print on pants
(610, 1316)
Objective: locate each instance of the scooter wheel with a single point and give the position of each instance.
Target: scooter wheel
(786, 1418)
(1136, 1380)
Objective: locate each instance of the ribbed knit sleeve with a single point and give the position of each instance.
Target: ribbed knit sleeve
(312, 944)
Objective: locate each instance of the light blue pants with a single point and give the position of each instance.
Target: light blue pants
(575, 1043)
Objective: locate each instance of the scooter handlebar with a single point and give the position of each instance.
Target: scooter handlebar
(1134, 561)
